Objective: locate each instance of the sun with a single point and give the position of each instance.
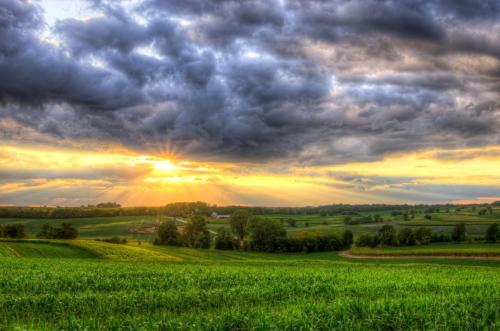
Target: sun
(165, 166)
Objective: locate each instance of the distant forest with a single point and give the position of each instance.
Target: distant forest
(184, 209)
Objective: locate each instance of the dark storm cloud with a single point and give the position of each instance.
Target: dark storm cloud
(318, 81)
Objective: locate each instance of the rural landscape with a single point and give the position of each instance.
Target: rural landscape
(249, 165)
(197, 266)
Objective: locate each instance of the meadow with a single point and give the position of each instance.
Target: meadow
(305, 225)
(86, 284)
(46, 294)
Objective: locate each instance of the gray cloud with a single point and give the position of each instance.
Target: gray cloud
(315, 82)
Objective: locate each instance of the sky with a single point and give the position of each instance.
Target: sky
(272, 103)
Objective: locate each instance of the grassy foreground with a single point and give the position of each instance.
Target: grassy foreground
(98, 294)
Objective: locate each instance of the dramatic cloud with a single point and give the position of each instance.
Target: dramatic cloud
(306, 82)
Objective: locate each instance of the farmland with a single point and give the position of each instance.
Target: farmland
(89, 284)
(284, 294)
(304, 225)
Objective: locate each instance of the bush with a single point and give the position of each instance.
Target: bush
(367, 240)
(423, 235)
(114, 240)
(224, 240)
(459, 233)
(492, 233)
(347, 238)
(46, 232)
(406, 237)
(322, 243)
(196, 233)
(440, 237)
(167, 234)
(66, 231)
(387, 235)
(14, 231)
(265, 234)
(238, 222)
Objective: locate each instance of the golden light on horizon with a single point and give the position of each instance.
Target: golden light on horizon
(138, 179)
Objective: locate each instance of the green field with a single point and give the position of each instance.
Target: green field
(434, 249)
(122, 226)
(43, 249)
(99, 294)
(140, 286)
(86, 284)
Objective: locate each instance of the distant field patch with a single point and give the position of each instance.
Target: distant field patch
(40, 249)
(432, 250)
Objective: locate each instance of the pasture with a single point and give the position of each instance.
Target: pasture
(46, 294)
(305, 225)
(86, 284)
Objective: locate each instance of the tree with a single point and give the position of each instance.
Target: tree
(238, 222)
(423, 235)
(347, 238)
(46, 231)
(291, 222)
(387, 235)
(492, 233)
(367, 240)
(265, 234)
(66, 231)
(15, 231)
(224, 240)
(196, 233)
(406, 237)
(167, 234)
(459, 232)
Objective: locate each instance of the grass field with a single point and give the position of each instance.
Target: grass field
(86, 284)
(139, 286)
(434, 249)
(43, 249)
(306, 225)
(97, 294)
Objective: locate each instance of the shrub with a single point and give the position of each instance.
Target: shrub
(66, 231)
(459, 232)
(46, 231)
(238, 222)
(196, 233)
(323, 243)
(167, 234)
(114, 240)
(492, 233)
(406, 237)
(15, 231)
(367, 240)
(265, 234)
(347, 238)
(423, 235)
(387, 235)
(440, 237)
(224, 240)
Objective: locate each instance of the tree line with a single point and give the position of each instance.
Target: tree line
(47, 231)
(188, 209)
(388, 236)
(247, 232)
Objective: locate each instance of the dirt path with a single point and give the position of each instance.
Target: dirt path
(349, 255)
